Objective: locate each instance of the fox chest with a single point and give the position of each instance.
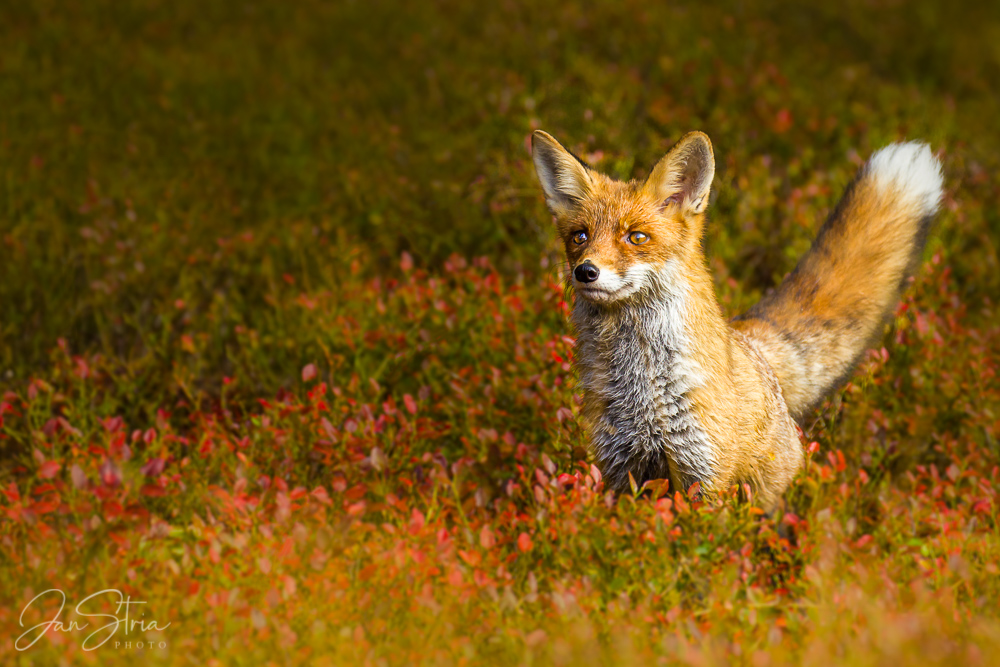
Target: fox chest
(636, 379)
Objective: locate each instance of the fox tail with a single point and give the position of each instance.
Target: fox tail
(814, 328)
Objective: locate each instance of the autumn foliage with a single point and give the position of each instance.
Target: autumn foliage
(284, 348)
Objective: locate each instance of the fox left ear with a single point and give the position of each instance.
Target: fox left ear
(684, 175)
(564, 178)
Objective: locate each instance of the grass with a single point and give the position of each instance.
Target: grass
(284, 349)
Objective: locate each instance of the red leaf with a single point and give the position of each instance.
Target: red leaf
(659, 487)
(152, 491)
(535, 638)
(595, 473)
(982, 507)
(783, 121)
(339, 484)
(44, 506)
(153, 467)
(110, 474)
(112, 509)
(77, 476)
(406, 262)
(486, 538)
(632, 484)
(112, 424)
(524, 542)
(355, 492)
(308, 372)
(49, 469)
(411, 405)
(471, 557)
(416, 522)
(320, 494)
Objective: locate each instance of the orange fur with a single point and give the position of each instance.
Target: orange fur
(670, 388)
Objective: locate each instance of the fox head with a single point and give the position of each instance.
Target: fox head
(621, 237)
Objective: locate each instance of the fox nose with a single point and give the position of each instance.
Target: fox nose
(587, 272)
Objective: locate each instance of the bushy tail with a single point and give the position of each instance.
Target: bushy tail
(815, 326)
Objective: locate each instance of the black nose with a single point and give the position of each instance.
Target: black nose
(587, 272)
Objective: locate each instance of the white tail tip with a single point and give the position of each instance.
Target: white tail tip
(912, 171)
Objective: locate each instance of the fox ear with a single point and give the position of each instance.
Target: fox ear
(565, 179)
(684, 175)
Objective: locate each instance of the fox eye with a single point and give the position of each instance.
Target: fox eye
(580, 238)
(638, 238)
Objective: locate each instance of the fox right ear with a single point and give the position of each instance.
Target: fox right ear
(564, 178)
(684, 175)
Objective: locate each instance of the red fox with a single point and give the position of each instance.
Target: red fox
(671, 390)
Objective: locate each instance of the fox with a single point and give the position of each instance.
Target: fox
(673, 390)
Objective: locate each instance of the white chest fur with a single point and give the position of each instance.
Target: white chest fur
(636, 373)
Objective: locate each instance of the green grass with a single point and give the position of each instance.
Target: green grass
(283, 340)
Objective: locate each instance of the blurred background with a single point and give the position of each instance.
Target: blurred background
(196, 165)
(284, 347)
